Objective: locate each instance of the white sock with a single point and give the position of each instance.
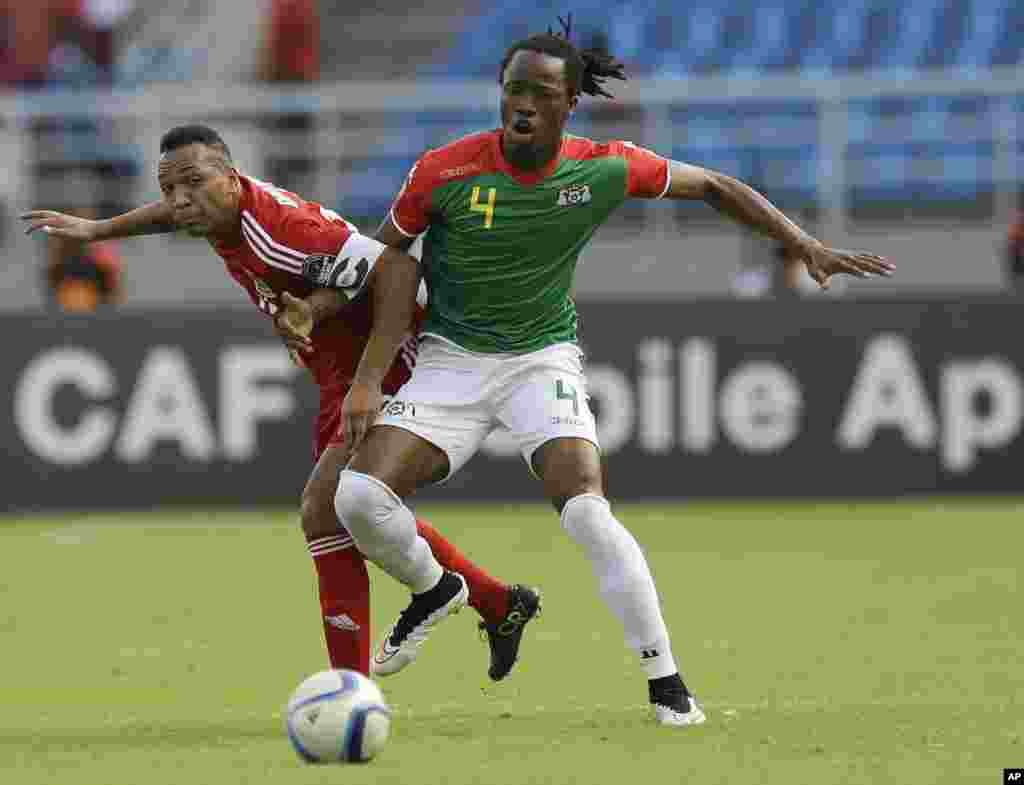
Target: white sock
(384, 529)
(624, 579)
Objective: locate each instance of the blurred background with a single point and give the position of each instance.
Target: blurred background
(897, 127)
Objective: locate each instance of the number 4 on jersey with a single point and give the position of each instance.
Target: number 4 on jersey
(486, 208)
(566, 392)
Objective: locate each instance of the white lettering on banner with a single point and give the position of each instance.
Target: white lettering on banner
(33, 406)
(244, 402)
(760, 407)
(674, 405)
(654, 388)
(963, 429)
(697, 393)
(166, 406)
(887, 393)
(614, 394)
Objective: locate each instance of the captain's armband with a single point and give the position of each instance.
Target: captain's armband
(348, 270)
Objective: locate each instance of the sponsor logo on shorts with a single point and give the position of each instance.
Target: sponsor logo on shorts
(398, 409)
(576, 422)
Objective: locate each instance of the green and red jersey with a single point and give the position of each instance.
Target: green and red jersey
(501, 245)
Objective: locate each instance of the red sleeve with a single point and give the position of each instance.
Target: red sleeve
(311, 234)
(411, 210)
(647, 174)
(281, 228)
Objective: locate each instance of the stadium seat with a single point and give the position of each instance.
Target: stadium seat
(924, 149)
(367, 188)
(913, 28)
(984, 31)
(706, 36)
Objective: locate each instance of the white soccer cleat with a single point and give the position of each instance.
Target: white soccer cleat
(677, 717)
(402, 643)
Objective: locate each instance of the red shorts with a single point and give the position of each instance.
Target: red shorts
(328, 419)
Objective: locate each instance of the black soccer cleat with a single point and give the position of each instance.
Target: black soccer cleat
(505, 636)
(674, 704)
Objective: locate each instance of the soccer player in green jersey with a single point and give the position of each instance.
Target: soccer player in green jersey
(506, 214)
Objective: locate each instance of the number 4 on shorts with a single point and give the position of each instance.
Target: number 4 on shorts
(566, 392)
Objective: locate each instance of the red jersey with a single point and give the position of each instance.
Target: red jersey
(279, 230)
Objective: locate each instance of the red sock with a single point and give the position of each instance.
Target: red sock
(487, 595)
(344, 600)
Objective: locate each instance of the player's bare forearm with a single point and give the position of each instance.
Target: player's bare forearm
(393, 287)
(740, 202)
(326, 303)
(153, 218)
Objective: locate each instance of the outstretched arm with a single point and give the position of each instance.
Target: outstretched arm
(153, 218)
(746, 206)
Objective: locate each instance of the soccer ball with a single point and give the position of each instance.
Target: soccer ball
(337, 717)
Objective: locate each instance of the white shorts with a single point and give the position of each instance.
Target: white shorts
(456, 398)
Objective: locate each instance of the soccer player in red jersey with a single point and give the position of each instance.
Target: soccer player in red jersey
(506, 214)
(264, 236)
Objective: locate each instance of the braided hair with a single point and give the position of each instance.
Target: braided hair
(586, 70)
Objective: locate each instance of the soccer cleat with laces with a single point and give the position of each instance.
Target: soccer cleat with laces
(402, 643)
(505, 636)
(677, 709)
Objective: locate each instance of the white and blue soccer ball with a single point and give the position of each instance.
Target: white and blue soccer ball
(338, 716)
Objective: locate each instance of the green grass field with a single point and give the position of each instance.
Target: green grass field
(830, 643)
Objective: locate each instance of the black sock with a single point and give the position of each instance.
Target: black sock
(440, 588)
(666, 685)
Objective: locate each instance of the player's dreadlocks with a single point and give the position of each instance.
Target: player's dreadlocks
(586, 70)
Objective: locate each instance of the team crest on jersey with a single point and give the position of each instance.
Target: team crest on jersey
(574, 195)
(263, 289)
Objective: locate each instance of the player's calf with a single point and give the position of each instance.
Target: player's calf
(317, 513)
(343, 582)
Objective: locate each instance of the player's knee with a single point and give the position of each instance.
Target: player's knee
(588, 520)
(568, 468)
(365, 505)
(317, 515)
(573, 483)
(583, 513)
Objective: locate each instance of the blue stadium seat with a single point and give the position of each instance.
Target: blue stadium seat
(1010, 45)
(846, 35)
(985, 28)
(773, 42)
(948, 36)
(365, 191)
(914, 27)
(921, 149)
(787, 175)
(773, 145)
(709, 36)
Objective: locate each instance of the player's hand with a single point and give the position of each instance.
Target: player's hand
(822, 263)
(297, 359)
(61, 225)
(294, 322)
(358, 411)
